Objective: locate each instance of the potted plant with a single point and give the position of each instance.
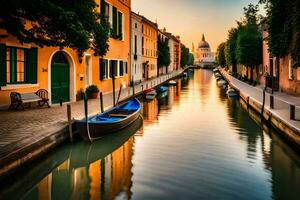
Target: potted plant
(92, 91)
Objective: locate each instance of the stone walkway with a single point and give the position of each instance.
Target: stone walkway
(19, 129)
(282, 101)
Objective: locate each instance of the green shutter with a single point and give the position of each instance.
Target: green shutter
(102, 68)
(2, 64)
(126, 67)
(102, 7)
(31, 65)
(115, 22)
(116, 67)
(120, 23)
(121, 67)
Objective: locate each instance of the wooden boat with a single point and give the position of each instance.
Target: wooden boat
(215, 70)
(221, 82)
(231, 92)
(110, 121)
(150, 94)
(162, 89)
(172, 83)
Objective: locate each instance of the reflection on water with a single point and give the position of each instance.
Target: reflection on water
(194, 143)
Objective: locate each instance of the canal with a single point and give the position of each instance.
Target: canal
(194, 143)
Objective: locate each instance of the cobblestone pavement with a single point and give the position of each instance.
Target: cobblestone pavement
(20, 127)
(282, 101)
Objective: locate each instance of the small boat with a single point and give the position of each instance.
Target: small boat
(231, 92)
(162, 89)
(218, 75)
(215, 70)
(110, 121)
(184, 74)
(172, 83)
(162, 95)
(221, 82)
(150, 94)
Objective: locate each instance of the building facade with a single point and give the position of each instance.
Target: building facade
(149, 48)
(279, 74)
(136, 48)
(164, 38)
(27, 68)
(175, 51)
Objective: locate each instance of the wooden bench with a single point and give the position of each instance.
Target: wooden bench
(19, 99)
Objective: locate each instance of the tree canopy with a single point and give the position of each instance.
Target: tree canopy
(231, 45)
(62, 23)
(185, 54)
(221, 59)
(163, 52)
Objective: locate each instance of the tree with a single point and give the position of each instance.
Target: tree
(185, 52)
(191, 59)
(249, 42)
(59, 23)
(221, 59)
(230, 51)
(163, 52)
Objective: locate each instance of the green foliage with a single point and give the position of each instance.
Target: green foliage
(59, 23)
(163, 52)
(249, 46)
(185, 53)
(231, 44)
(221, 58)
(92, 89)
(191, 59)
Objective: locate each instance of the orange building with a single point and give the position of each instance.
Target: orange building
(27, 68)
(149, 48)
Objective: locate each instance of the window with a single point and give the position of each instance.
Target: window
(121, 68)
(113, 68)
(298, 73)
(135, 25)
(135, 44)
(117, 24)
(15, 65)
(104, 69)
(142, 28)
(260, 69)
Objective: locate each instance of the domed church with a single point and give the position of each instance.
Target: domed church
(204, 57)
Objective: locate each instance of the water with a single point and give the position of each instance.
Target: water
(194, 144)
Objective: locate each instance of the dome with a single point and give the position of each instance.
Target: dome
(203, 44)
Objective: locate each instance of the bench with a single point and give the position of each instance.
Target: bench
(19, 99)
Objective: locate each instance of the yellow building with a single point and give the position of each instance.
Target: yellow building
(149, 48)
(27, 68)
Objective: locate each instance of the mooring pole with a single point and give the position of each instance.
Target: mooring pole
(101, 102)
(133, 89)
(69, 114)
(119, 94)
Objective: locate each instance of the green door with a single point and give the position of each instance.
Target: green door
(60, 82)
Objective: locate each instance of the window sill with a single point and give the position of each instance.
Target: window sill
(18, 86)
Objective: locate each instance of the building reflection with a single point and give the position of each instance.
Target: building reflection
(150, 111)
(107, 178)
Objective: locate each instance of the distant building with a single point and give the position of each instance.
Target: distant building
(204, 56)
(136, 48)
(175, 51)
(149, 48)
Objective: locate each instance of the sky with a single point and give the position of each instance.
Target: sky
(192, 18)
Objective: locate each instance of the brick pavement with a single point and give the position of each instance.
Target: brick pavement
(21, 128)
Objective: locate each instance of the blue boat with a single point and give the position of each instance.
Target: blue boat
(162, 89)
(110, 121)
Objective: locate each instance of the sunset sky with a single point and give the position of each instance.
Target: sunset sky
(191, 18)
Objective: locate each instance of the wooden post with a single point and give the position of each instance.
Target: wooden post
(119, 94)
(113, 84)
(271, 101)
(292, 112)
(70, 122)
(101, 102)
(263, 105)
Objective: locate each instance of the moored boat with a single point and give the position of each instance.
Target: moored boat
(150, 94)
(231, 92)
(162, 89)
(110, 121)
(172, 83)
(221, 82)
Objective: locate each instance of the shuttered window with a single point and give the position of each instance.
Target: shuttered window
(115, 23)
(120, 25)
(113, 68)
(121, 68)
(103, 69)
(20, 65)
(2, 65)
